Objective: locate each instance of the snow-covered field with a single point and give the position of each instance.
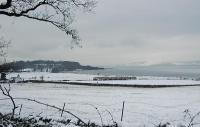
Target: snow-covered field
(51, 76)
(143, 106)
(85, 78)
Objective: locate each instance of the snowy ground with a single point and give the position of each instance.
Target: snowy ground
(85, 78)
(143, 106)
(51, 76)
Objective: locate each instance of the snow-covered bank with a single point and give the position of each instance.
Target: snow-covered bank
(145, 82)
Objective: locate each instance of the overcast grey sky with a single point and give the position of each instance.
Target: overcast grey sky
(120, 32)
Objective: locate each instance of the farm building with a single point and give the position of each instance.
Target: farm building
(16, 79)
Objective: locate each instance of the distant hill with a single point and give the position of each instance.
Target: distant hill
(49, 66)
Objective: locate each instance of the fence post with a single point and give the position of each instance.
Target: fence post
(20, 109)
(62, 110)
(122, 111)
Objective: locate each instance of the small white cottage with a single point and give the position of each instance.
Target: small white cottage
(17, 79)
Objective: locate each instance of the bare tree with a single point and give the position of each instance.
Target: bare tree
(3, 46)
(56, 12)
(3, 53)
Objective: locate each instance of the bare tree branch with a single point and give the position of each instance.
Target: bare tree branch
(3, 46)
(41, 103)
(56, 12)
(6, 92)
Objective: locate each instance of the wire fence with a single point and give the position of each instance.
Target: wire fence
(106, 113)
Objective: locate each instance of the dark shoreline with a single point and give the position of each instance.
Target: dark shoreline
(108, 85)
